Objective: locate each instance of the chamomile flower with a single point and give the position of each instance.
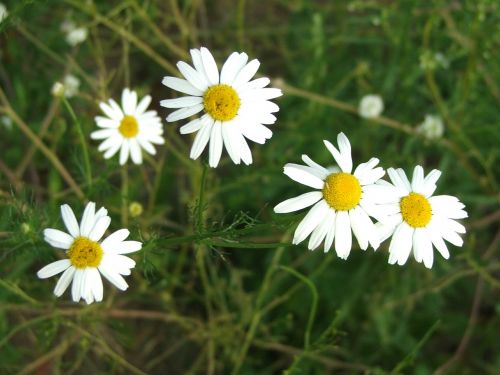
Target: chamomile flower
(371, 106)
(235, 107)
(432, 127)
(87, 256)
(340, 202)
(129, 128)
(418, 220)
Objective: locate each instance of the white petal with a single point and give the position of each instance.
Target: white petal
(109, 273)
(69, 220)
(230, 141)
(64, 281)
(304, 175)
(104, 122)
(231, 68)
(183, 113)
(129, 101)
(97, 287)
(184, 101)
(299, 202)
(401, 244)
(330, 236)
(124, 152)
(111, 111)
(57, 238)
(127, 247)
(88, 221)
(191, 127)
(195, 78)
(181, 85)
(438, 242)
(76, 287)
(417, 181)
(315, 215)
(343, 238)
(210, 66)
(398, 181)
(100, 227)
(359, 231)
(135, 151)
(54, 268)
(201, 139)
(141, 108)
(102, 134)
(319, 234)
(429, 185)
(246, 73)
(114, 239)
(242, 147)
(311, 163)
(215, 147)
(422, 247)
(344, 163)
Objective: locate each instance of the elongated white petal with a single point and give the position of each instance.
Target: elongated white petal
(401, 244)
(113, 277)
(201, 140)
(316, 215)
(183, 113)
(210, 66)
(246, 73)
(124, 152)
(58, 238)
(194, 77)
(54, 268)
(230, 141)
(417, 181)
(64, 281)
(87, 222)
(181, 85)
(345, 163)
(304, 175)
(299, 202)
(215, 148)
(343, 238)
(184, 101)
(70, 221)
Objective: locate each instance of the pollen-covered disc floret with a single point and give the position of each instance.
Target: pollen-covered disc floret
(129, 129)
(342, 191)
(418, 220)
(236, 107)
(340, 204)
(416, 210)
(221, 102)
(87, 256)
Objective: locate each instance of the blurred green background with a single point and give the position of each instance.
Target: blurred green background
(218, 289)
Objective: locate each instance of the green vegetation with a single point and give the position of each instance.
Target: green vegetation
(218, 287)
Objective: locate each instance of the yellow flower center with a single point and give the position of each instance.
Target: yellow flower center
(85, 253)
(221, 102)
(342, 191)
(416, 210)
(129, 127)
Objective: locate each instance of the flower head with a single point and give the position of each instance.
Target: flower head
(235, 107)
(341, 203)
(69, 87)
(87, 256)
(371, 106)
(74, 34)
(432, 127)
(129, 128)
(418, 220)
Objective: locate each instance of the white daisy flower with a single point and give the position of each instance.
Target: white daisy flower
(432, 127)
(371, 106)
(341, 203)
(69, 87)
(417, 220)
(235, 107)
(88, 257)
(129, 128)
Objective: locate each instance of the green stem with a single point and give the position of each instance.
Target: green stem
(314, 304)
(86, 159)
